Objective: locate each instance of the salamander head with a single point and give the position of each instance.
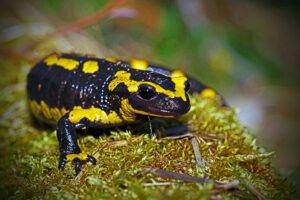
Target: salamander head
(149, 93)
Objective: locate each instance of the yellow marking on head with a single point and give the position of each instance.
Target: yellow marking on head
(178, 78)
(208, 93)
(66, 63)
(90, 67)
(138, 64)
(81, 156)
(128, 112)
(111, 60)
(94, 115)
(49, 113)
(133, 86)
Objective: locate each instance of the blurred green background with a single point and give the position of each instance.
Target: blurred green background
(247, 50)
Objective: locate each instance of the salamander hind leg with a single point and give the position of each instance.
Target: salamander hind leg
(69, 145)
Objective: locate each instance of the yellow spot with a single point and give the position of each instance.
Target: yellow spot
(94, 115)
(80, 156)
(114, 118)
(208, 93)
(55, 113)
(49, 113)
(46, 110)
(177, 73)
(90, 67)
(133, 86)
(51, 60)
(63, 111)
(66, 63)
(35, 107)
(138, 64)
(111, 60)
(128, 112)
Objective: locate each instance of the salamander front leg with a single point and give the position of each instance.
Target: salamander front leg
(69, 145)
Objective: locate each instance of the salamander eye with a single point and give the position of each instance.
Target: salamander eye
(146, 92)
(187, 86)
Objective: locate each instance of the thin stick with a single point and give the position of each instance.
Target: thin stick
(254, 191)
(18, 54)
(119, 143)
(195, 145)
(197, 153)
(227, 186)
(159, 184)
(150, 125)
(79, 24)
(172, 175)
(218, 186)
(182, 136)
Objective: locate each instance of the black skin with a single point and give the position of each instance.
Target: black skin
(61, 88)
(67, 137)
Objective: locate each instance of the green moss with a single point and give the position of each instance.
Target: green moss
(29, 156)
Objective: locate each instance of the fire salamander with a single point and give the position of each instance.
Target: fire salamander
(79, 92)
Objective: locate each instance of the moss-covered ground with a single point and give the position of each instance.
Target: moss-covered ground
(29, 155)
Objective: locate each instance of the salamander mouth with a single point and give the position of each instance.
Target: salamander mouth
(166, 113)
(159, 106)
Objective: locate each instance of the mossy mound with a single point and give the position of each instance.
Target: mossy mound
(29, 156)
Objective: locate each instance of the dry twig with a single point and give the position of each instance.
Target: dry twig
(254, 191)
(218, 186)
(159, 184)
(197, 153)
(172, 175)
(79, 24)
(22, 52)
